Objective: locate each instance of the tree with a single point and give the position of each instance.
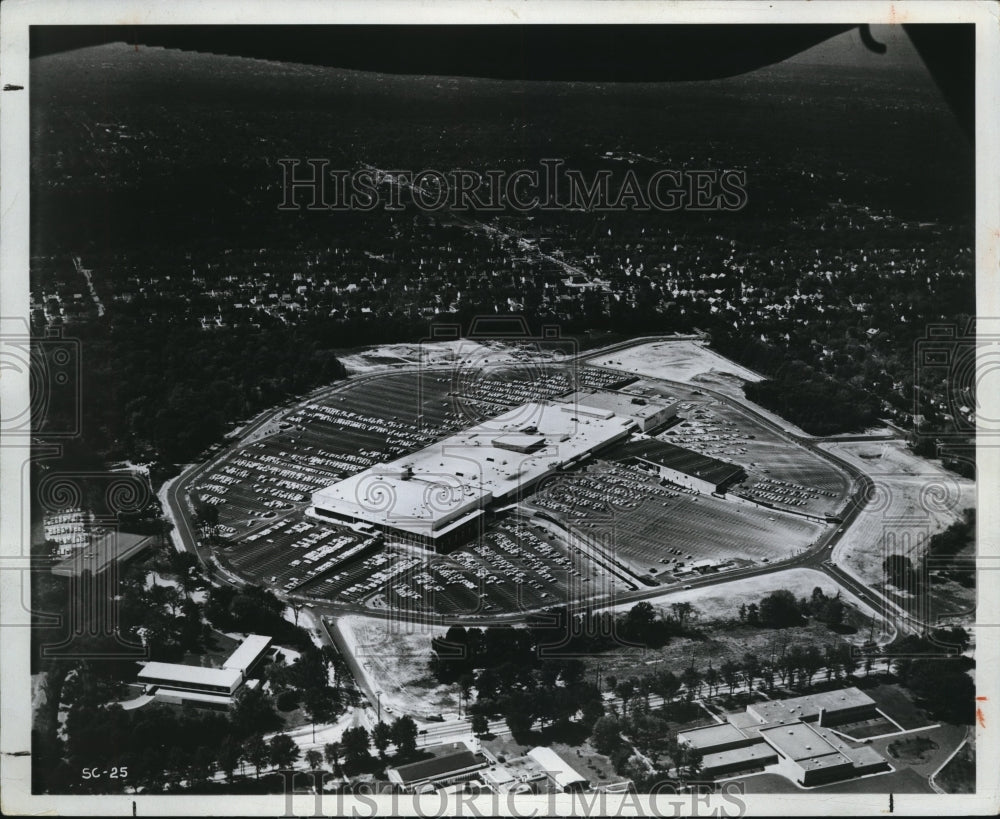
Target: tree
(692, 760)
(682, 612)
(518, 711)
(899, 571)
(712, 678)
(871, 653)
(731, 674)
(787, 664)
(381, 737)
(253, 713)
(780, 609)
(835, 612)
(202, 764)
(941, 684)
(256, 752)
(691, 677)
(314, 759)
(624, 690)
(811, 662)
(332, 752)
(355, 742)
(666, 684)
(228, 757)
(321, 705)
(751, 669)
(606, 735)
(832, 661)
(848, 659)
(480, 724)
(404, 735)
(282, 751)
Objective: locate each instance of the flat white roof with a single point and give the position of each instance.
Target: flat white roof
(190, 674)
(620, 403)
(455, 478)
(807, 706)
(555, 766)
(197, 696)
(711, 736)
(248, 652)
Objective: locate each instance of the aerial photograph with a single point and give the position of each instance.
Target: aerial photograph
(503, 411)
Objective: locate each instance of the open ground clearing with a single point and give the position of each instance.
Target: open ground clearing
(394, 657)
(723, 600)
(912, 500)
(680, 360)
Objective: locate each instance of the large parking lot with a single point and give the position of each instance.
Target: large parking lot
(319, 442)
(514, 565)
(665, 532)
(780, 472)
(292, 552)
(609, 527)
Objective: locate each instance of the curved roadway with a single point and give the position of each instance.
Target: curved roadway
(818, 558)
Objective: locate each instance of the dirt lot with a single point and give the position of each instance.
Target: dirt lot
(913, 499)
(680, 360)
(387, 356)
(394, 657)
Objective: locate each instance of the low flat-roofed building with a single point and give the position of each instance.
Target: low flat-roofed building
(841, 705)
(647, 413)
(684, 467)
(217, 702)
(176, 682)
(104, 551)
(191, 678)
(248, 654)
(792, 735)
(499, 778)
(456, 766)
(437, 495)
(805, 755)
(563, 775)
(720, 737)
(738, 760)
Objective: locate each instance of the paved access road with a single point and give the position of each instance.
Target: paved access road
(818, 558)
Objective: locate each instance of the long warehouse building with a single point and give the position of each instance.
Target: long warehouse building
(685, 467)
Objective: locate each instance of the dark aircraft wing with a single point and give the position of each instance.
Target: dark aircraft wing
(603, 53)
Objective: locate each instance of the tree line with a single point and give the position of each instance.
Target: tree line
(781, 609)
(901, 572)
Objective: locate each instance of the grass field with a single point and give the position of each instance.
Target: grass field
(959, 775)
